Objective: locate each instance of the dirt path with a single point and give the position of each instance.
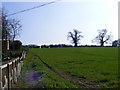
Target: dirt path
(81, 81)
(32, 79)
(29, 79)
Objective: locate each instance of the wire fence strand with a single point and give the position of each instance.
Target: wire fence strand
(32, 8)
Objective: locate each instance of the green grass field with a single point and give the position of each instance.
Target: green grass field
(90, 65)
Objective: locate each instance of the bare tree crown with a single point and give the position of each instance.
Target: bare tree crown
(75, 37)
(10, 27)
(103, 37)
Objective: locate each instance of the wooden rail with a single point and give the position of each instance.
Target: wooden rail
(10, 72)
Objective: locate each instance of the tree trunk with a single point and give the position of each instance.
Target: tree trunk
(75, 45)
(102, 44)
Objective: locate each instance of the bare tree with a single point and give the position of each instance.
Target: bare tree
(5, 26)
(103, 37)
(15, 27)
(74, 37)
(10, 27)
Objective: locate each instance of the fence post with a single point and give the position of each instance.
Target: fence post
(0, 78)
(12, 73)
(15, 71)
(8, 66)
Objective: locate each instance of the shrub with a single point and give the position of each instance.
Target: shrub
(16, 45)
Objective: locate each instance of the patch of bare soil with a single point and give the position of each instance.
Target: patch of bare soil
(32, 78)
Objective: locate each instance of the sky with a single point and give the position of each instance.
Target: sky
(50, 24)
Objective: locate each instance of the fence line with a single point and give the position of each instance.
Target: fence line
(10, 72)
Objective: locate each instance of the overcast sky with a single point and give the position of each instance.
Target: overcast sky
(50, 24)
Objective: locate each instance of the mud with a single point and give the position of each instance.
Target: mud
(32, 78)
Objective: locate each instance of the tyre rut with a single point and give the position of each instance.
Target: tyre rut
(81, 82)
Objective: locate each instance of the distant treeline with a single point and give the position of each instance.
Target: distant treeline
(55, 46)
(47, 46)
(59, 46)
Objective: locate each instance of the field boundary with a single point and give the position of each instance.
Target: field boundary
(10, 72)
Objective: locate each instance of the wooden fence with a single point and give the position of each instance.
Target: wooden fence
(10, 72)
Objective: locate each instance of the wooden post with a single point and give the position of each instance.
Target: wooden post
(7, 44)
(0, 78)
(12, 73)
(15, 73)
(8, 66)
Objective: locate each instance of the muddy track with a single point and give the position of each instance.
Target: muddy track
(80, 81)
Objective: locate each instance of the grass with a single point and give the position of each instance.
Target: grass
(97, 64)
(49, 78)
